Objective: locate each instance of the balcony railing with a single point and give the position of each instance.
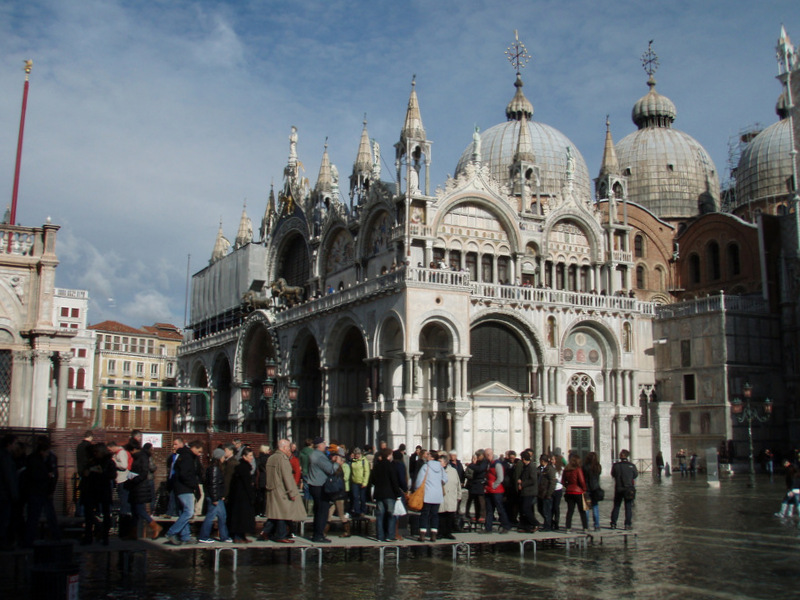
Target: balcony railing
(540, 296)
(711, 304)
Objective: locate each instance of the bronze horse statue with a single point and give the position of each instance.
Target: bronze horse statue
(291, 294)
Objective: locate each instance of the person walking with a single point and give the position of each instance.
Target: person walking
(214, 488)
(432, 475)
(475, 482)
(546, 490)
(140, 493)
(591, 473)
(528, 487)
(624, 473)
(359, 477)
(284, 504)
(188, 474)
(574, 488)
(387, 490)
(494, 494)
(97, 486)
(448, 522)
(319, 468)
(242, 517)
(83, 454)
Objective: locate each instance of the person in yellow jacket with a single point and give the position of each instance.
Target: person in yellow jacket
(359, 481)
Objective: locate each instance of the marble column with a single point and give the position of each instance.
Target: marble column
(619, 424)
(41, 378)
(633, 429)
(559, 434)
(64, 359)
(21, 379)
(408, 377)
(538, 435)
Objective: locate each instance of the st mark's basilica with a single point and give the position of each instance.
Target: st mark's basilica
(522, 302)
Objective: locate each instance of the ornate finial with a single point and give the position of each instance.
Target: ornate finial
(326, 143)
(517, 54)
(365, 120)
(650, 63)
(608, 123)
(27, 68)
(414, 80)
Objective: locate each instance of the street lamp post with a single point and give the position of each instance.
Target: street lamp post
(273, 400)
(745, 412)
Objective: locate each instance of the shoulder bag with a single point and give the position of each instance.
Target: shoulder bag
(417, 498)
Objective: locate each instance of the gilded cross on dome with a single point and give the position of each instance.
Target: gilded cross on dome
(517, 54)
(650, 61)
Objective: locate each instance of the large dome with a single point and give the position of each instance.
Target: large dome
(499, 143)
(765, 167)
(668, 171)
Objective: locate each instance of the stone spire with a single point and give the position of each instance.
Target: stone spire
(610, 164)
(245, 234)
(268, 220)
(524, 150)
(221, 246)
(414, 149)
(362, 169)
(324, 181)
(412, 127)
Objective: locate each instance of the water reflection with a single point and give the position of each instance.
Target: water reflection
(693, 542)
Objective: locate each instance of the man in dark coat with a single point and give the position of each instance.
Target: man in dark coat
(241, 503)
(547, 487)
(387, 490)
(624, 473)
(188, 474)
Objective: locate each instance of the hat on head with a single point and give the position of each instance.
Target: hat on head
(218, 454)
(341, 452)
(317, 440)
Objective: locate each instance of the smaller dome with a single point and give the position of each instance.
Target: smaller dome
(519, 104)
(765, 167)
(653, 109)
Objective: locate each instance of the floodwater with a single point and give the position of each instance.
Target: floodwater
(693, 542)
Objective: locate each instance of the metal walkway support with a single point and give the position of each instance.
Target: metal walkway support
(304, 550)
(524, 543)
(463, 547)
(219, 550)
(382, 551)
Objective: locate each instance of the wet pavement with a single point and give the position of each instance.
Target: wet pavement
(692, 542)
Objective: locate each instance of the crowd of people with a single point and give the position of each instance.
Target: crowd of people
(286, 485)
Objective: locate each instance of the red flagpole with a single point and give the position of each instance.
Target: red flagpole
(13, 219)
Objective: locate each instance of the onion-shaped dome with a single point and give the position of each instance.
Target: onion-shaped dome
(668, 171)
(548, 145)
(765, 166)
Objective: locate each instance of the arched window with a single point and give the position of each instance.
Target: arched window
(694, 268)
(81, 381)
(640, 278)
(580, 394)
(71, 379)
(734, 266)
(713, 261)
(644, 419)
(660, 279)
(638, 246)
(572, 278)
(560, 268)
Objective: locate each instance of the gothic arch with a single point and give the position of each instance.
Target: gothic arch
(608, 342)
(257, 325)
(499, 210)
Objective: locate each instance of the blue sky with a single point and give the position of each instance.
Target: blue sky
(148, 122)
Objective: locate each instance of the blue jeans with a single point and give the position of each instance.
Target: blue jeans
(385, 520)
(359, 498)
(215, 511)
(429, 517)
(124, 505)
(495, 501)
(139, 512)
(595, 512)
(181, 526)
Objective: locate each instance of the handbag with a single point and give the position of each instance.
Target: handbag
(630, 493)
(587, 501)
(333, 487)
(417, 498)
(598, 495)
(399, 508)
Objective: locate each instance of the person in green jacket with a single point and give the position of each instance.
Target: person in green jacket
(359, 481)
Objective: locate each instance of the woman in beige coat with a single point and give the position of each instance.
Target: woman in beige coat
(448, 516)
(284, 502)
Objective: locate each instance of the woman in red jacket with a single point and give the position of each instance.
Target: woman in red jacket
(574, 488)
